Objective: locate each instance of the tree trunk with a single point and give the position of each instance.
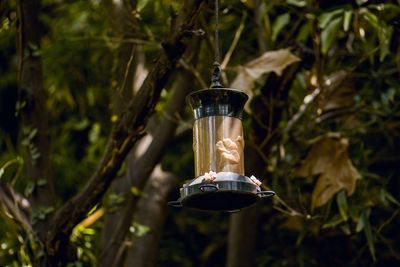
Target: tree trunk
(151, 213)
(242, 237)
(33, 111)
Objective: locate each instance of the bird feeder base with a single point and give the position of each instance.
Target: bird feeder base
(228, 191)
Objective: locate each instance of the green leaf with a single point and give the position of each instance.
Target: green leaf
(139, 229)
(297, 3)
(326, 18)
(81, 125)
(41, 182)
(372, 19)
(136, 191)
(41, 213)
(384, 36)
(30, 186)
(341, 201)
(94, 133)
(360, 2)
(304, 32)
(346, 20)
(280, 22)
(346, 229)
(329, 34)
(368, 234)
(360, 225)
(142, 4)
(386, 196)
(32, 133)
(336, 220)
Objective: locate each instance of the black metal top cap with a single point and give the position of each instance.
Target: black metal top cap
(217, 102)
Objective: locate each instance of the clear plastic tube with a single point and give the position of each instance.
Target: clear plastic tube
(218, 145)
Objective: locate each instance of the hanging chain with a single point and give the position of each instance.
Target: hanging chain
(216, 75)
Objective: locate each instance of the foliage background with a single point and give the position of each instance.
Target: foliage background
(344, 91)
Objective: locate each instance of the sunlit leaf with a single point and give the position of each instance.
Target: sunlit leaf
(139, 229)
(142, 4)
(326, 18)
(329, 34)
(360, 2)
(280, 22)
(346, 20)
(297, 3)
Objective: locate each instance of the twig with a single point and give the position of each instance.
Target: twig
(335, 114)
(385, 223)
(287, 209)
(110, 39)
(308, 99)
(235, 41)
(126, 74)
(193, 71)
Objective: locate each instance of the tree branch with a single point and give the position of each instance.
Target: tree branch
(127, 131)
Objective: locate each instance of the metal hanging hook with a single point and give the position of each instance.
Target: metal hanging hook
(216, 74)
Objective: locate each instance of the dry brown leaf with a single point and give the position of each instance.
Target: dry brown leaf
(272, 61)
(341, 174)
(329, 158)
(320, 155)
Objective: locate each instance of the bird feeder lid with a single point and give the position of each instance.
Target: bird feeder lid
(217, 102)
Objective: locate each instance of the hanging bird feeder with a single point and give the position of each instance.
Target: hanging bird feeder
(218, 144)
